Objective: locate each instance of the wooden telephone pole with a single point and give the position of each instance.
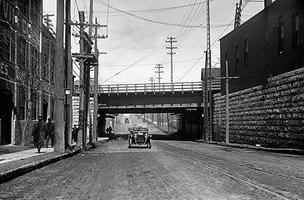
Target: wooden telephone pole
(171, 40)
(159, 67)
(86, 59)
(68, 75)
(59, 80)
(93, 133)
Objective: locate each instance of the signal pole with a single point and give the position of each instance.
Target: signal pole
(171, 40)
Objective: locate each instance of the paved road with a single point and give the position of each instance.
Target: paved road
(170, 170)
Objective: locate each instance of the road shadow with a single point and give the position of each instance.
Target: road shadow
(170, 136)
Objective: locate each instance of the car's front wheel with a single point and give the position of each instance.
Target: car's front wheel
(130, 142)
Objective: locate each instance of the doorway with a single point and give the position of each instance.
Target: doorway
(6, 102)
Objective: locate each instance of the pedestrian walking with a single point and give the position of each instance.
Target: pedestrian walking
(75, 133)
(110, 129)
(39, 133)
(50, 133)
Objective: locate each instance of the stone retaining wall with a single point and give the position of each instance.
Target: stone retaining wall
(271, 114)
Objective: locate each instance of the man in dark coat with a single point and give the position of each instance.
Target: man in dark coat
(75, 133)
(50, 132)
(39, 133)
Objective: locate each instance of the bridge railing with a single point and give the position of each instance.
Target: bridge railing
(156, 87)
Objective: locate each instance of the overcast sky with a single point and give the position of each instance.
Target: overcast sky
(136, 43)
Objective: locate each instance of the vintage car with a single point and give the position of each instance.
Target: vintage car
(139, 136)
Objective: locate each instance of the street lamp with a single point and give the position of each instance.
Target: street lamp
(67, 92)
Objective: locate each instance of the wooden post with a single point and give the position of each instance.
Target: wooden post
(227, 104)
(69, 73)
(95, 112)
(59, 79)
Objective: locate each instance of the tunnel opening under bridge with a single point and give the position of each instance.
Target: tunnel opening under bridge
(177, 124)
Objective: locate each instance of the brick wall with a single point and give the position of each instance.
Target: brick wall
(271, 114)
(264, 59)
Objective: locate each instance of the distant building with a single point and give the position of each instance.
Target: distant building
(268, 44)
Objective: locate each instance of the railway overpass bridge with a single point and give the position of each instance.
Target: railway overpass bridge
(182, 98)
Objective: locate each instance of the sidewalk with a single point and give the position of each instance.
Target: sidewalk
(258, 147)
(21, 162)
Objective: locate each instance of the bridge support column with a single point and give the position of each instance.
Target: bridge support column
(101, 128)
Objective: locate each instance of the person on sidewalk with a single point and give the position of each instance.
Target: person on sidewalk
(74, 133)
(50, 132)
(39, 133)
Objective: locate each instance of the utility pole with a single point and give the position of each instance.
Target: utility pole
(205, 98)
(227, 103)
(89, 113)
(95, 111)
(93, 135)
(68, 75)
(59, 79)
(151, 79)
(159, 72)
(81, 127)
(86, 59)
(171, 40)
(238, 14)
(226, 78)
(209, 74)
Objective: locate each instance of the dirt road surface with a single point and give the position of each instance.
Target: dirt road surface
(170, 170)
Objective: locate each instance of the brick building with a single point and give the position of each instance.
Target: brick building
(27, 61)
(268, 44)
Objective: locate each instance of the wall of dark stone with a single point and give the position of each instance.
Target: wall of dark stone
(271, 114)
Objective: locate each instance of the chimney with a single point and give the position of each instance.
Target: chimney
(267, 3)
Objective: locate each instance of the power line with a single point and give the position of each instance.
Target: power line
(192, 66)
(128, 67)
(156, 9)
(159, 22)
(149, 64)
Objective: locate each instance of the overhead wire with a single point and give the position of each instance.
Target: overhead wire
(220, 35)
(132, 65)
(152, 10)
(159, 22)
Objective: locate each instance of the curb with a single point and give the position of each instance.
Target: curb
(275, 150)
(11, 174)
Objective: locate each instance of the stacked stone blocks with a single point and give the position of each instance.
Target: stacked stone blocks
(271, 114)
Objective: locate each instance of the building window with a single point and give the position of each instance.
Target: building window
(237, 56)
(281, 38)
(295, 30)
(246, 50)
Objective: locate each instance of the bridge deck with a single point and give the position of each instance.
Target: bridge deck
(156, 87)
